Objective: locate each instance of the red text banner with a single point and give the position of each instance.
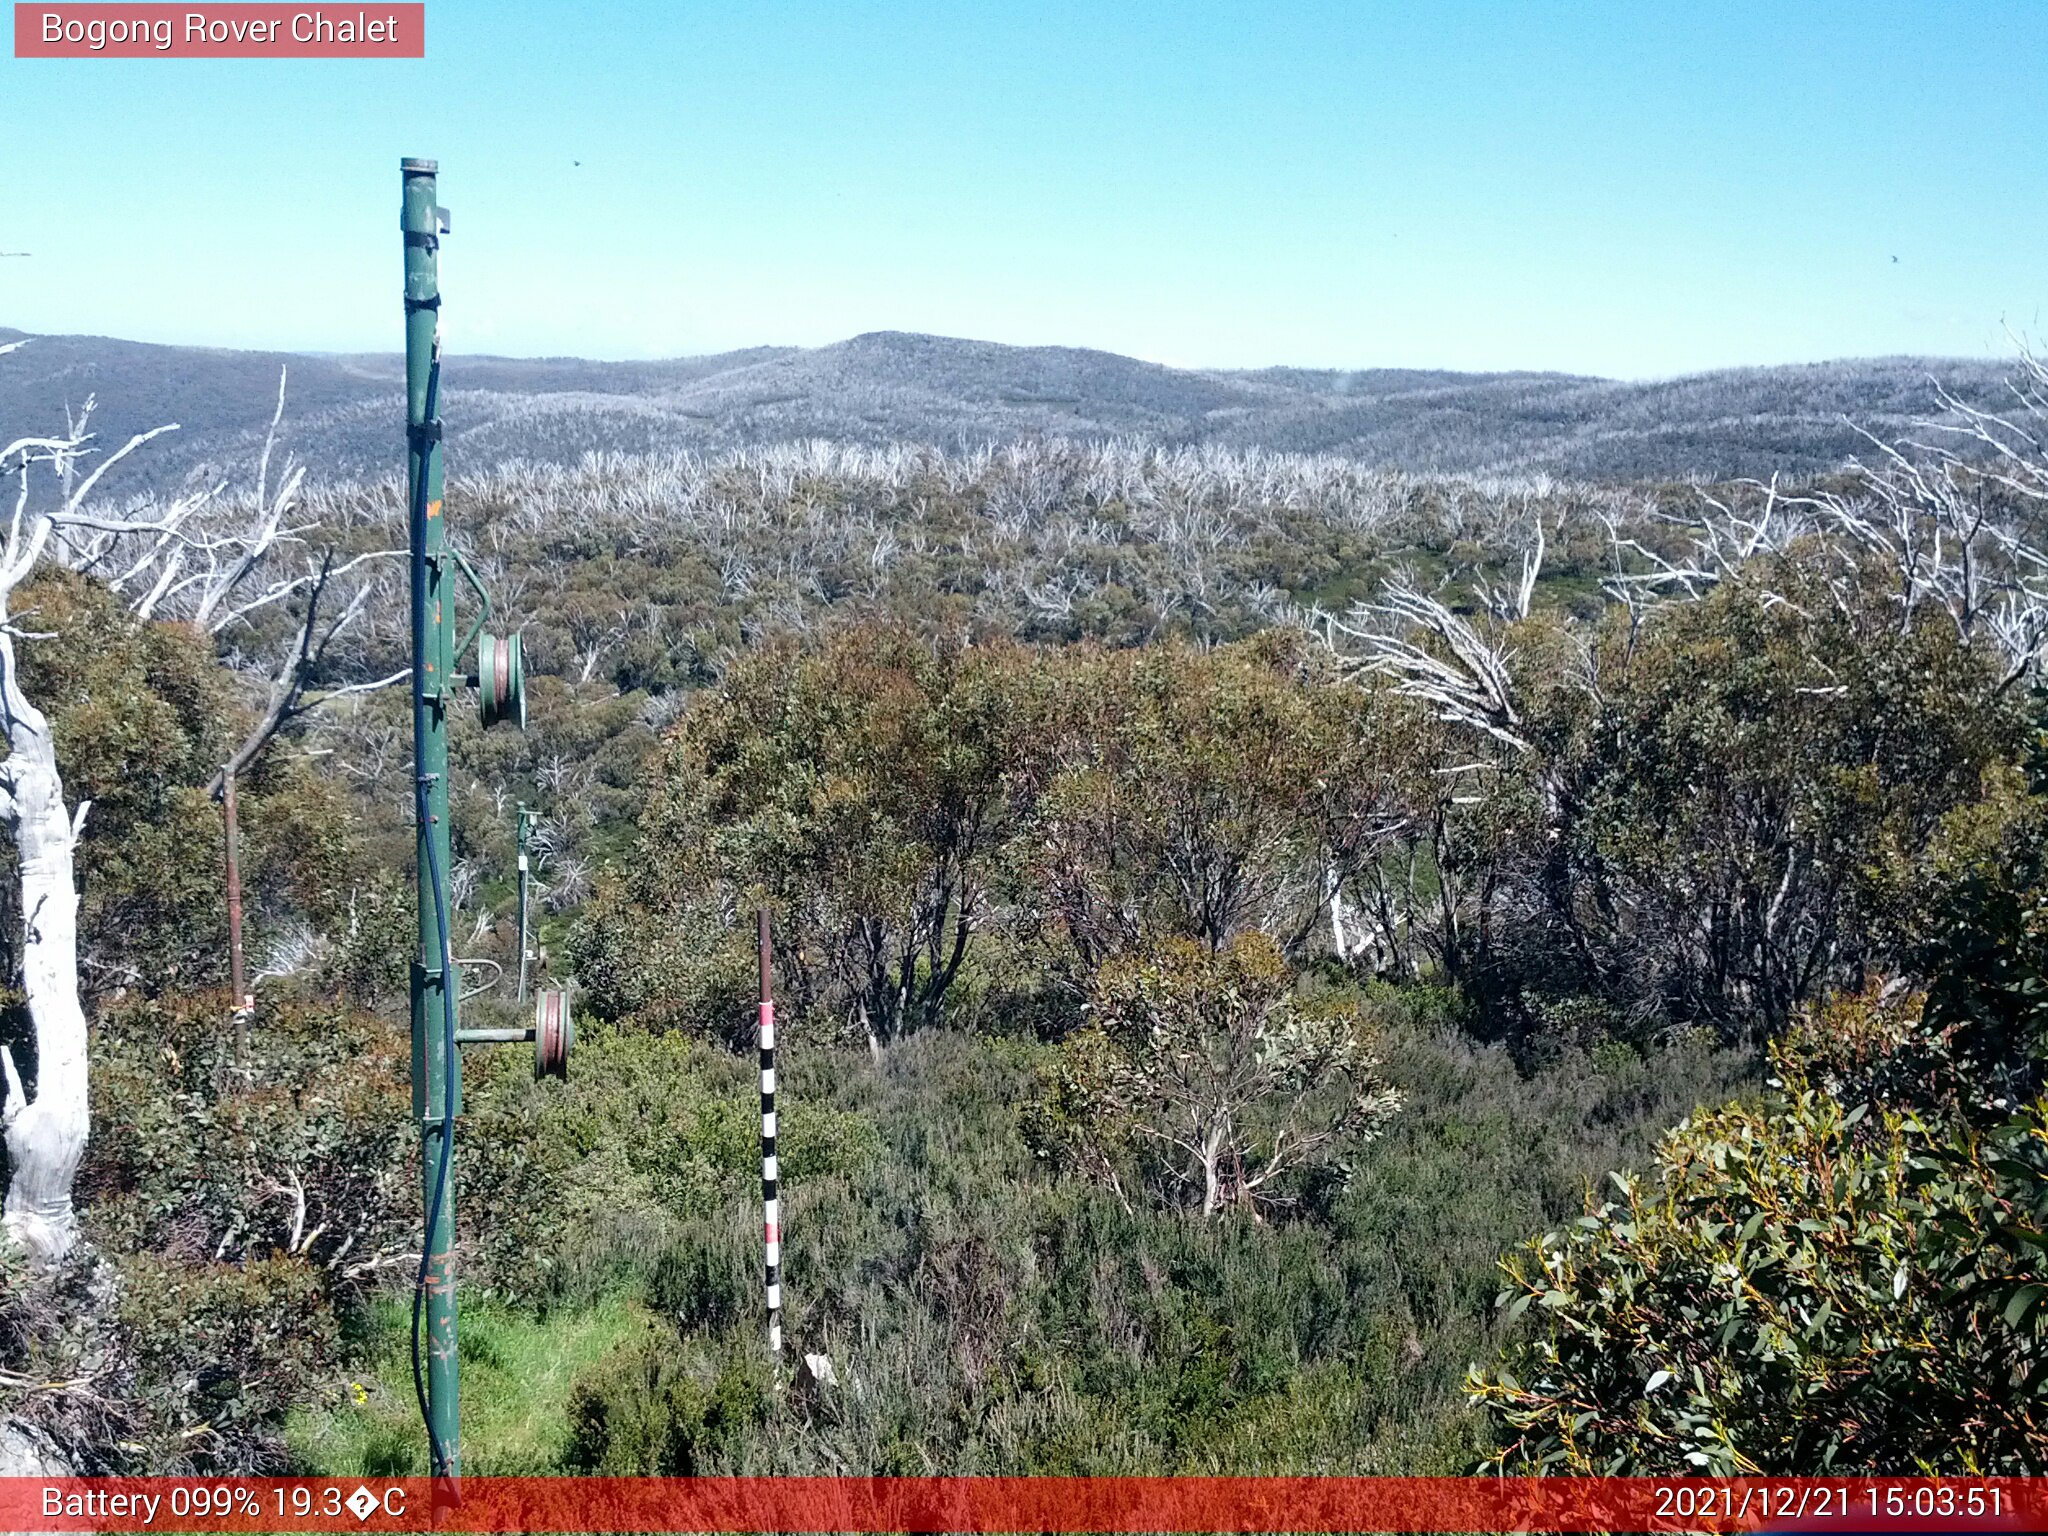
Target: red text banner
(1045, 1504)
(236, 31)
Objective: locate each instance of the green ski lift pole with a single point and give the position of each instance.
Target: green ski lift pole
(436, 1065)
(500, 682)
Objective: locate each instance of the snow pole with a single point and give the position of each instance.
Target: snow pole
(771, 1201)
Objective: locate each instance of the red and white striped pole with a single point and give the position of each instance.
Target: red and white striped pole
(771, 1203)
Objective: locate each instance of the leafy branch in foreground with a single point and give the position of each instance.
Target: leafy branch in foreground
(1809, 1287)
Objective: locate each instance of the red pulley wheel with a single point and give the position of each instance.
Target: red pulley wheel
(500, 680)
(554, 1032)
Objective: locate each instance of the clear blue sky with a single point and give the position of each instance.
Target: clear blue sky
(1632, 188)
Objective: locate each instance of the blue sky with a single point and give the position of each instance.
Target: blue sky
(1631, 189)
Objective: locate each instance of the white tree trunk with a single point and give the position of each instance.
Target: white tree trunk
(46, 1136)
(1212, 1181)
(1337, 940)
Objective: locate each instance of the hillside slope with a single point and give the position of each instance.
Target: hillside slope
(889, 386)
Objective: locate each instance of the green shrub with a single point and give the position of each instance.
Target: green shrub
(706, 1280)
(574, 1188)
(1043, 1328)
(1183, 793)
(1209, 1082)
(304, 1149)
(141, 1363)
(222, 1352)
(1807, 1288)
(1983, 937)
(682, 968)
(143, 716)
(643, 1411)
(238, 1208)
(861, 785)
(376, 937)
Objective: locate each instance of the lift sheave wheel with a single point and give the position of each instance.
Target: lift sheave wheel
(500, 680)
(554, 1032)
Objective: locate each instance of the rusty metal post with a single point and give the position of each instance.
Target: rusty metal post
(238, 978)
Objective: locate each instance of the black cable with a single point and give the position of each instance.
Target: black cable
(437, 1452)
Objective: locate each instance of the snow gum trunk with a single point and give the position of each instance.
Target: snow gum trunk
(46, 1135)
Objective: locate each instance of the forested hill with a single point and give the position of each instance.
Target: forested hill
(891, 386)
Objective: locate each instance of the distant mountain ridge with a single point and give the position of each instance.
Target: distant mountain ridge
(342, 410)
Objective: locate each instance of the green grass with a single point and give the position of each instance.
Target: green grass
(517, 1370)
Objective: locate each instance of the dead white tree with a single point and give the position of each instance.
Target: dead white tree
(46, 1133)
(204, 581)
(249, 557)
(194, 558)
(1432, 653)
(1507, 603)
(290, 690)
(1945, 518)
(1720, 540)
(1462, 672)
(1949, 516)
